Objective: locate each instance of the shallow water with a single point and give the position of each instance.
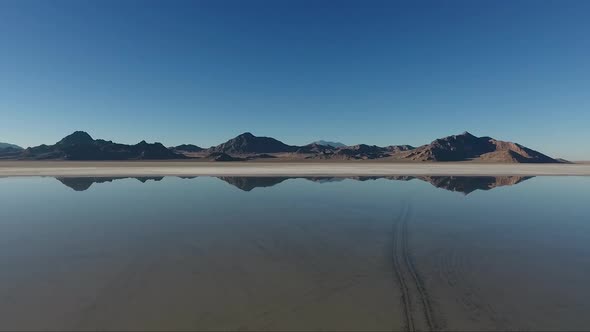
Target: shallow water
(397, 253)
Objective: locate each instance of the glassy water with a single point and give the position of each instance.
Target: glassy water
(396, 253)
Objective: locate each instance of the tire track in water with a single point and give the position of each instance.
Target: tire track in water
(398, 269)
(419, 284)
(417, 313)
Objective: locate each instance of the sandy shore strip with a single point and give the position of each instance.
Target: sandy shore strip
(172, 168)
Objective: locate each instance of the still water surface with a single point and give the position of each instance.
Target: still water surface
(206, 253)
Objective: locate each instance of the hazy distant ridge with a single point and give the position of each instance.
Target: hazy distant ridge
(8, 150)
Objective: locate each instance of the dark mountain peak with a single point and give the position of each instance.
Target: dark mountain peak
(248, 143)
(77, 137)
(246, 135)
(464, 137)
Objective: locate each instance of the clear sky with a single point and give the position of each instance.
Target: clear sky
(375, 72)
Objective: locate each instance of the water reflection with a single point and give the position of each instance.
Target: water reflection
(461, 184)
(321, 253)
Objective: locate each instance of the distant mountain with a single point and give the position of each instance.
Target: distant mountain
(328, 143)
(469, 147)
(315, 148)
(247, 143)
(8, 150)
(9, 146)
(81, 146)
(186, 148)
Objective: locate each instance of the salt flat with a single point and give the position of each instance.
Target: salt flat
(362, 168)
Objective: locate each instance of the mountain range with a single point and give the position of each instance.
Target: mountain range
(81, 146)
(463, 147)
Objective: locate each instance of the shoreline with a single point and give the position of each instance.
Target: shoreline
(261, 169)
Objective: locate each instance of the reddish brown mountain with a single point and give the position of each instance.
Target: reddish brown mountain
(469, 147)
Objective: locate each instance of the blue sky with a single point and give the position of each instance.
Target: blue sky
(376, 72)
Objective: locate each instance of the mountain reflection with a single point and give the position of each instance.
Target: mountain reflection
(84, 183)
(469, 184)
(461, 184)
